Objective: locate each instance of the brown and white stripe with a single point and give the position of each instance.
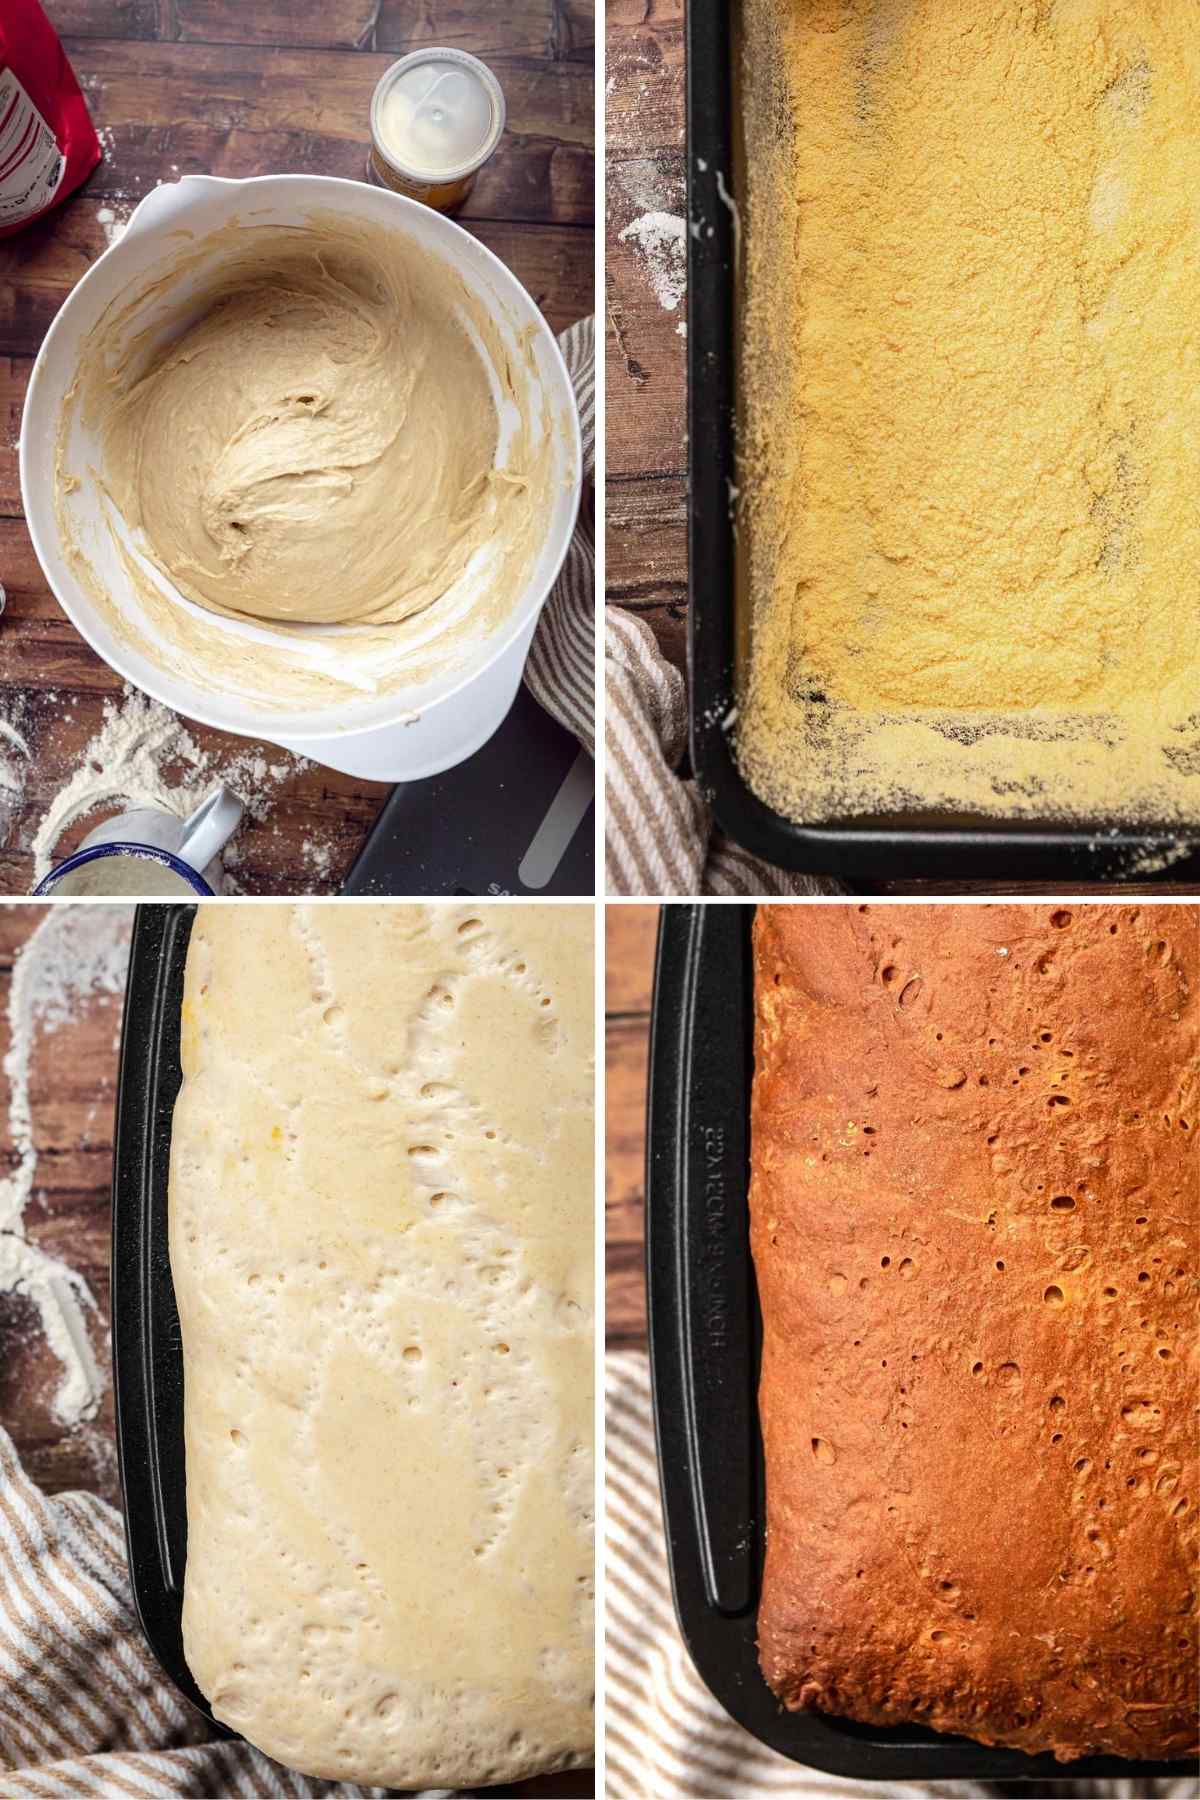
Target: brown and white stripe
(665, 1734)
(659, 833)
(561, 670)
(85, 1709)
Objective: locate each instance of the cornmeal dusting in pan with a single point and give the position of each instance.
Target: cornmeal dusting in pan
(970, 485)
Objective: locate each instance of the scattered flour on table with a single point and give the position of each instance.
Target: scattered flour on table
(112, 220)
(144, 755)
(647, 188)
(318, 859)
(75, 955)
(14, 761)
(661, 238)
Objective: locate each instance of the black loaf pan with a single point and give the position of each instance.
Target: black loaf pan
(147, 1348)
(147, 1351)
(862, 852)
(705, 1338)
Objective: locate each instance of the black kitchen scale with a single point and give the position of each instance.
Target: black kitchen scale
(518, 817)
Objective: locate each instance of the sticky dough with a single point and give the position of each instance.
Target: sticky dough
(319, 445)
(326, 428)
(381, 1242)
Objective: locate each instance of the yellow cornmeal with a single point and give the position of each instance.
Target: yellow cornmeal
(970, 485)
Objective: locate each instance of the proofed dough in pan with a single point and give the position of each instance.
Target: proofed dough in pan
(381, 1241)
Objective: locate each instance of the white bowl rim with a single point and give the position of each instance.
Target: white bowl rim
(269, 725)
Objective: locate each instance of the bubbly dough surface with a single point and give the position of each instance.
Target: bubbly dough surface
(381, 1242)
(975, 1220)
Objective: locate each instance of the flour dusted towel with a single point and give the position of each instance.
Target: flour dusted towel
(381, 1242)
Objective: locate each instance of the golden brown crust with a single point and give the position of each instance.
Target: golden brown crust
(974, 1209)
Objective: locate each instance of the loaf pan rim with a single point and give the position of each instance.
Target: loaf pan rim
(861, 852)
(723, 1647)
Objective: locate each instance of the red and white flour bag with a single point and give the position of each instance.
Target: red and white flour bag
(47, 141)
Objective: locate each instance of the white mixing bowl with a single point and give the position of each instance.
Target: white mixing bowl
(393, 736)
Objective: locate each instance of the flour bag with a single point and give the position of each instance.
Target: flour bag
(47, 141)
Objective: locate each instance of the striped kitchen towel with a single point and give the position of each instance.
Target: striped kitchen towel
(665, 1733)
(659, 833)
(84, 1708)
(561, 670)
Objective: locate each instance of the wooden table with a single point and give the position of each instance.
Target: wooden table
(630, 933)
(72, 1091)
(252, 87)
(645, 353)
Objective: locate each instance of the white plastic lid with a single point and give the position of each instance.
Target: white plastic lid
(437, 113)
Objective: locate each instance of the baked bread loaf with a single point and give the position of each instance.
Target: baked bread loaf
(381, 1206)
(974, 1209)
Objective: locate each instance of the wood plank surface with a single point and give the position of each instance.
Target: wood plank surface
(72, 1093)
(630, 933)
(645, 351)
(237, 88)
(562, 28)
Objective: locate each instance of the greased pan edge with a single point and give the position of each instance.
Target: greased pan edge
(705, 1331)
(147, 1352)
(860, 852)
(147, 1348)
